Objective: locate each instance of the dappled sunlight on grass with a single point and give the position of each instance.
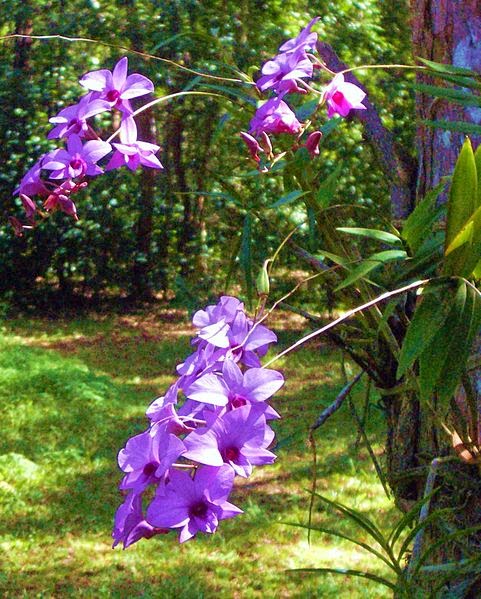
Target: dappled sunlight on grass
(72, 394)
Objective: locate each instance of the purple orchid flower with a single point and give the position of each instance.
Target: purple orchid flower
(77, 160)
(274, 116)
(31, 183)
(280, 73)
(133, 153)
(238, 438)
(235, 387)
(342, 97)
(116, 87)
(304, 41)
(146, 457)
(194, 505)
(129, 523)
(73, 119)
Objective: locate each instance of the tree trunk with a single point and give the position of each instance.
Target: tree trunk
(446, 31)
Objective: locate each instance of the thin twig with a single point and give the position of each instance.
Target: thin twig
(88, 40)
(336, 404)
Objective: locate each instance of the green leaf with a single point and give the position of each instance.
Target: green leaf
(333, 257)
(230, 91)
(372, 234)
(434, 357)
(327, 188)
(447, 68)
(245, 256)
(431, 312)
(330, 126)
(463, 193)
(418, 226)
(288, 198)
(307, 109)
(358, 518)
(453, 95)
(347, 572)
(340, 535)
(408, 518)
(460, 346)
(477, 161)
(458, 126)
(370, 264)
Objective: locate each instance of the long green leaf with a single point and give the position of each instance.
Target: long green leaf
(347, 572)
(327, 188)
(288, 198)
(245, 255)
(460, 346)
(444, 540)
(439, 67)
(370, 264)
(408, 518)
(418, 225)
(359, 519)
(383, 236)
(453, 95)
(434, 357)
(463, 192)
(431, 312)
(419, 526)
(340, 535)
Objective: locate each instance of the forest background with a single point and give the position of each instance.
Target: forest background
(207, 221)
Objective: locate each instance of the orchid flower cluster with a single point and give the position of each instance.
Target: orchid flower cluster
(62, 172)
(189, 456)
(288, 73)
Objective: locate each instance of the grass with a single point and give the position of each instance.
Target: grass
(73, 391)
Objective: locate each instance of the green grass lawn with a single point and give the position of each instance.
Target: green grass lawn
(72, 392)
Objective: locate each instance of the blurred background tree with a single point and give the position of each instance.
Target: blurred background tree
(185, 231)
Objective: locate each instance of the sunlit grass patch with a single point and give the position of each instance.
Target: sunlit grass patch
(72, 394)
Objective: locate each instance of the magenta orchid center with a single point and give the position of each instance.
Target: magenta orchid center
(77, 163)
(113, 95)
(237, 401)
(338, 97)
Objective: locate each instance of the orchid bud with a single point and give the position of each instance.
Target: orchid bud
(28, 205)
(312, 143)
(262, 281)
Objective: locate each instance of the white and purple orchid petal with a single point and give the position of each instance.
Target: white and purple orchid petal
(119, 74)
(216, 334)
(136, 85)
(232, 375)
(136, 453)
(262, 383)
(128, 131)
(97, 80)
(150, 161)
(94, 150)
(217, 482)
(203, 448)
(209, 389)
